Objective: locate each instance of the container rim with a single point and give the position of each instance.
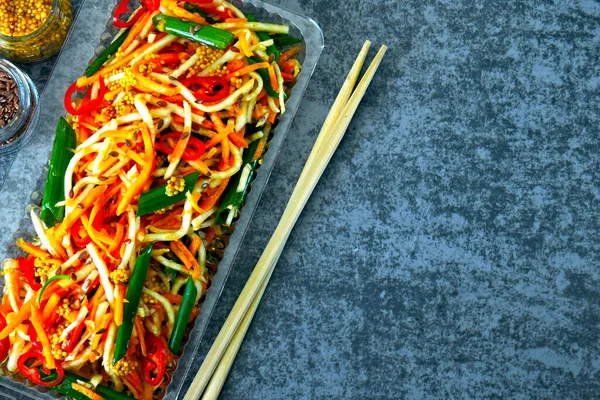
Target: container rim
(26, 170)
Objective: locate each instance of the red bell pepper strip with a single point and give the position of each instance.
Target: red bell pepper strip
(33, 374)
(151, 5)
(212, 88)
(33, 337)
(79, 235)
(86, 105)
(208, 8)
(153, 366)
(4, 343)
(123, 9)
(193, 151)
(72, 338)
(27, 268)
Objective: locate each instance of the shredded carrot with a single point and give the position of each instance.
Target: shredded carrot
(195, 245)
(78, 211)
(272, 116)
(85, 391)
(99, 238)
(173, 298)
(186, 257)
(246, 70)
(273, 78)
(138, 185)
(286, 55)
(238, 140)
(136, 157)
(260, 149)
(211, 200)
(135, 30)
(182, 13)
(235, 65)
(139, 329)
(147, 85)
(219, 138)
(119, 304)
(85, 81)
(17, 318)
(148, 391)
(194, 314)
(42, 337)
(225, 152)
(31, 249)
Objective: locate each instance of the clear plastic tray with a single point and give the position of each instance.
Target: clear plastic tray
(22, 189)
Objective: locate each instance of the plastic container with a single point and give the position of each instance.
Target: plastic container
(25, 180)
(20, 130)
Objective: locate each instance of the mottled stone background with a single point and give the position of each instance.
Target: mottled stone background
(451, 247)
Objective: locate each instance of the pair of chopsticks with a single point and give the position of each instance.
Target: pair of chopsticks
(214, 370)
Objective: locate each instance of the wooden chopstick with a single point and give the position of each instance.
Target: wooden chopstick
(250, 296)
(213, 389)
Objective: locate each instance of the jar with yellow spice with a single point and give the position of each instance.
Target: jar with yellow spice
(31, 30)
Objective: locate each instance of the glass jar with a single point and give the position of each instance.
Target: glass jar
(44, 41)
(20, 130)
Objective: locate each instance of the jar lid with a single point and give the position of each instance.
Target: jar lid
(20, 129)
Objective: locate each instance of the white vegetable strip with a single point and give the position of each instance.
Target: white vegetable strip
(132, 230)
(166, 305)
(41, 232)
(103, 271)
(185, 137)
(80, 317)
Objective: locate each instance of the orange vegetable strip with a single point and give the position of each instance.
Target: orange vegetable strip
(42, 337)
(182, 13)
(135, 30)
(286, 55)
(273, 78)
(195, 310)
(195, 245)
(260, 149)
(118, 236)
(211, 200)
(135, 157)
(51, 306)
(56, 245)
(86, 391)
(173, 298)
(225, 152)
(138, 185)
(119, 304)
(221, 128)
(31, 249)
(18, 318)
(235, 65)
(98, 237)
(77, 212)
(246, 70)
(244, 45)
(149, 86)
(272, 117)
(238, 140)
(139, 329)
(184, 254)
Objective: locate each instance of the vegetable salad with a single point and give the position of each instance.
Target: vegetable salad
(148, 170)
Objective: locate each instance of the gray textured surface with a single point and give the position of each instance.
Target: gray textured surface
(450, 249)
